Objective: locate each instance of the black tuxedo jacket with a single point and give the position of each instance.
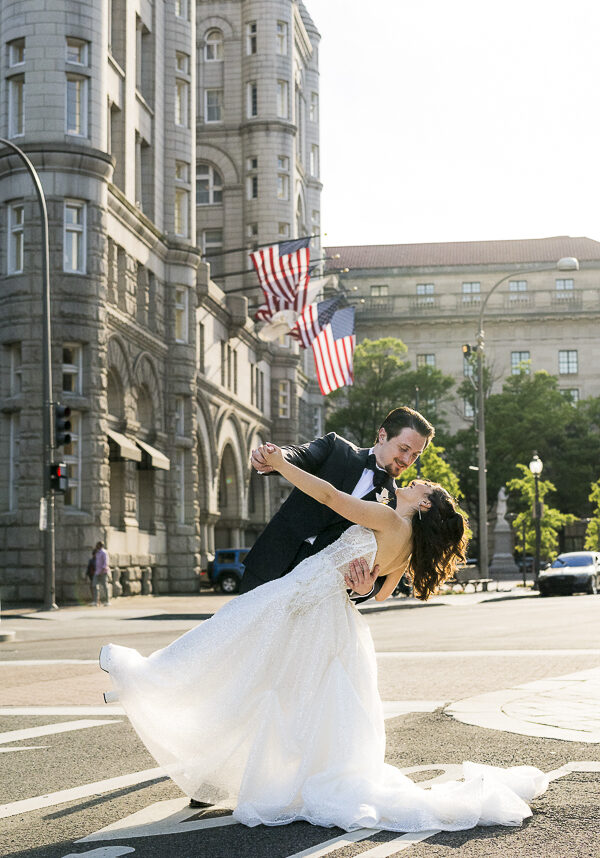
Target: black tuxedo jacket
(331, 458)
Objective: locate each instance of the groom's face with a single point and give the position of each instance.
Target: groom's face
(397, 454)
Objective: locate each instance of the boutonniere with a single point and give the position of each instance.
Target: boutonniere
(382, 495)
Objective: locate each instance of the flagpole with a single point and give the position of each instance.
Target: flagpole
(260, 246)
(258, 286)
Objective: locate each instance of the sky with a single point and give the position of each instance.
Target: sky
(458, 120)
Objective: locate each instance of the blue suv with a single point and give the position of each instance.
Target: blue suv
(226, 570)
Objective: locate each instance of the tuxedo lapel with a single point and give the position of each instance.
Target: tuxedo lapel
(354, 467)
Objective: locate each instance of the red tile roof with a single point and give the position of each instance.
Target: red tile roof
(520, 251)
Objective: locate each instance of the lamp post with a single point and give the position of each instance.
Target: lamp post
(47, 421)
(566, 263)
(535, 466)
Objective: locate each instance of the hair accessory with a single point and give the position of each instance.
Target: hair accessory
(419, 508)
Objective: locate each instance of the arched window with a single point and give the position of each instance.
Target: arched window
(213, 46)
(209, 185)
(300, 224)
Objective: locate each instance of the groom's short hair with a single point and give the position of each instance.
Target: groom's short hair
(407, 418)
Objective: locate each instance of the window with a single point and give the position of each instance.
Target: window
(181, 9)
(180, 486)
(74, 237)
(201, 347)
(251, 41)
(516, 362)
(468, 410)
(213, 105)
(564, 288)
(314, 160)
(282, 99)
(259, 389)
(282, 38)
(182, 62)
(181, 314)
(223, 362)
(182, 98)
(14, 429)
(313, 110)
(567, 362)
(283, 399)
(72, 459)
(572, 393)
(77, 52)
(252, 232)
(468, 367)
(15, 238)
(379, 290)
(182, 199)
(283, 230)
(213, 47)
(212, 250)
(471, 292)
(252, 99)
(425, 293)
(283, 178)
(518, 290)
(179, 415)
(16, 106)
(71, 368)
(76, 105)
(252, 178)
(16, 53)
(15, 369)
(425, 360)
(209, 185)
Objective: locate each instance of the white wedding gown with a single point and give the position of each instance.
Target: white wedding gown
(272, 705)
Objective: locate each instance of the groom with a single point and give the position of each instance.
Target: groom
(302, 527)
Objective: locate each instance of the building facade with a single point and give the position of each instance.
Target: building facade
(135, 114)
(429, 295)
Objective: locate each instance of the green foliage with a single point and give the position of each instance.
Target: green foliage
(384, 380)
(592, 534)
(552, 520)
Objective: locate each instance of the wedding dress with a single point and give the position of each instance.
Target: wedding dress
(272, 704)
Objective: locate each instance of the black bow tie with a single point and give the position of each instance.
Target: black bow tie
(380, 477)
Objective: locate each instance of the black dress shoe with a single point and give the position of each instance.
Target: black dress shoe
(195, 803)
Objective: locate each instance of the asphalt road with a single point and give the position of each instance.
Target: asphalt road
(429, 656)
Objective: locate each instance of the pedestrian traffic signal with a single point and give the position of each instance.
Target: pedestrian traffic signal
(62, 425)
(59, 481)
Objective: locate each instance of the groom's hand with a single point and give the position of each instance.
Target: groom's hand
(360, 578)
(258, 461)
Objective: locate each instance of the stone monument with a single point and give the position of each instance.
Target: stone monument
(503, 563)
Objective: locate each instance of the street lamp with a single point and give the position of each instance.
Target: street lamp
(535, 466)
(47, 421)
(566, 263)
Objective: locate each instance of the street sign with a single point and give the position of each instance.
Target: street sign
(43, 514)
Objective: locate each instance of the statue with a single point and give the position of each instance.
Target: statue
(503, 563)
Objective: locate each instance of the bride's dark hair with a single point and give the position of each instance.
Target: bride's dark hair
(439, 543)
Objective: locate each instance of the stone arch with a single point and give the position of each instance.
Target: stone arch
(218, 158)
(148, 384)
(118, 379)
(230, 484)
(301, 226)
(258, 491)
(215, 22)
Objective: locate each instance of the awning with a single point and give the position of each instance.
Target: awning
(125, 446)
(155, 459)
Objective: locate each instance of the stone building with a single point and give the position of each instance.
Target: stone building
(160, 133)
(429, 295)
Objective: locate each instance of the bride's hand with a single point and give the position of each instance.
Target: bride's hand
(272, 455)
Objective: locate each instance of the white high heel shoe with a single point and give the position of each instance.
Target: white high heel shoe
(111, 697)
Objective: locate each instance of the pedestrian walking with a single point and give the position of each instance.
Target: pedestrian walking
(101, 572)
(90, 572)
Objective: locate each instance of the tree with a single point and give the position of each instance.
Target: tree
(552, 520)
(383, 380)
(592, 534)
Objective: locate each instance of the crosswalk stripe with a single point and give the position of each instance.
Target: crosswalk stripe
(398, 844)
(336, 843)
(51, 729)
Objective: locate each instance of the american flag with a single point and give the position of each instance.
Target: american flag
(313, 319)
(333, 349)
(283, 272)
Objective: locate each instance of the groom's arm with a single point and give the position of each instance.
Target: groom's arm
(308, 457)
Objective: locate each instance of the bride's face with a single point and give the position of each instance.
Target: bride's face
(417, 494)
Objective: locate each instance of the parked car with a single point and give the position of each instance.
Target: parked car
(226, 570)
(573, 572)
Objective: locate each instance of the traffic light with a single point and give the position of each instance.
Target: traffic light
(59, 481)
(62, 425)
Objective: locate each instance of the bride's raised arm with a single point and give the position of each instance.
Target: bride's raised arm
(375, 516)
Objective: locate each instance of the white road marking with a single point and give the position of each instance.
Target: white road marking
(50, 729)
(39, 662)
(10, 750)
(173, 816)
(336, 843)
(62, 710)
(84, 791)
(398, 844)
(103, 852)
(393, 708)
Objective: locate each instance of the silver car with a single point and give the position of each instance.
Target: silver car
(574, 572)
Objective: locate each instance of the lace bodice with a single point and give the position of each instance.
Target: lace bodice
(322, 576)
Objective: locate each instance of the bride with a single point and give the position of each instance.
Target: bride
(272, 704)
